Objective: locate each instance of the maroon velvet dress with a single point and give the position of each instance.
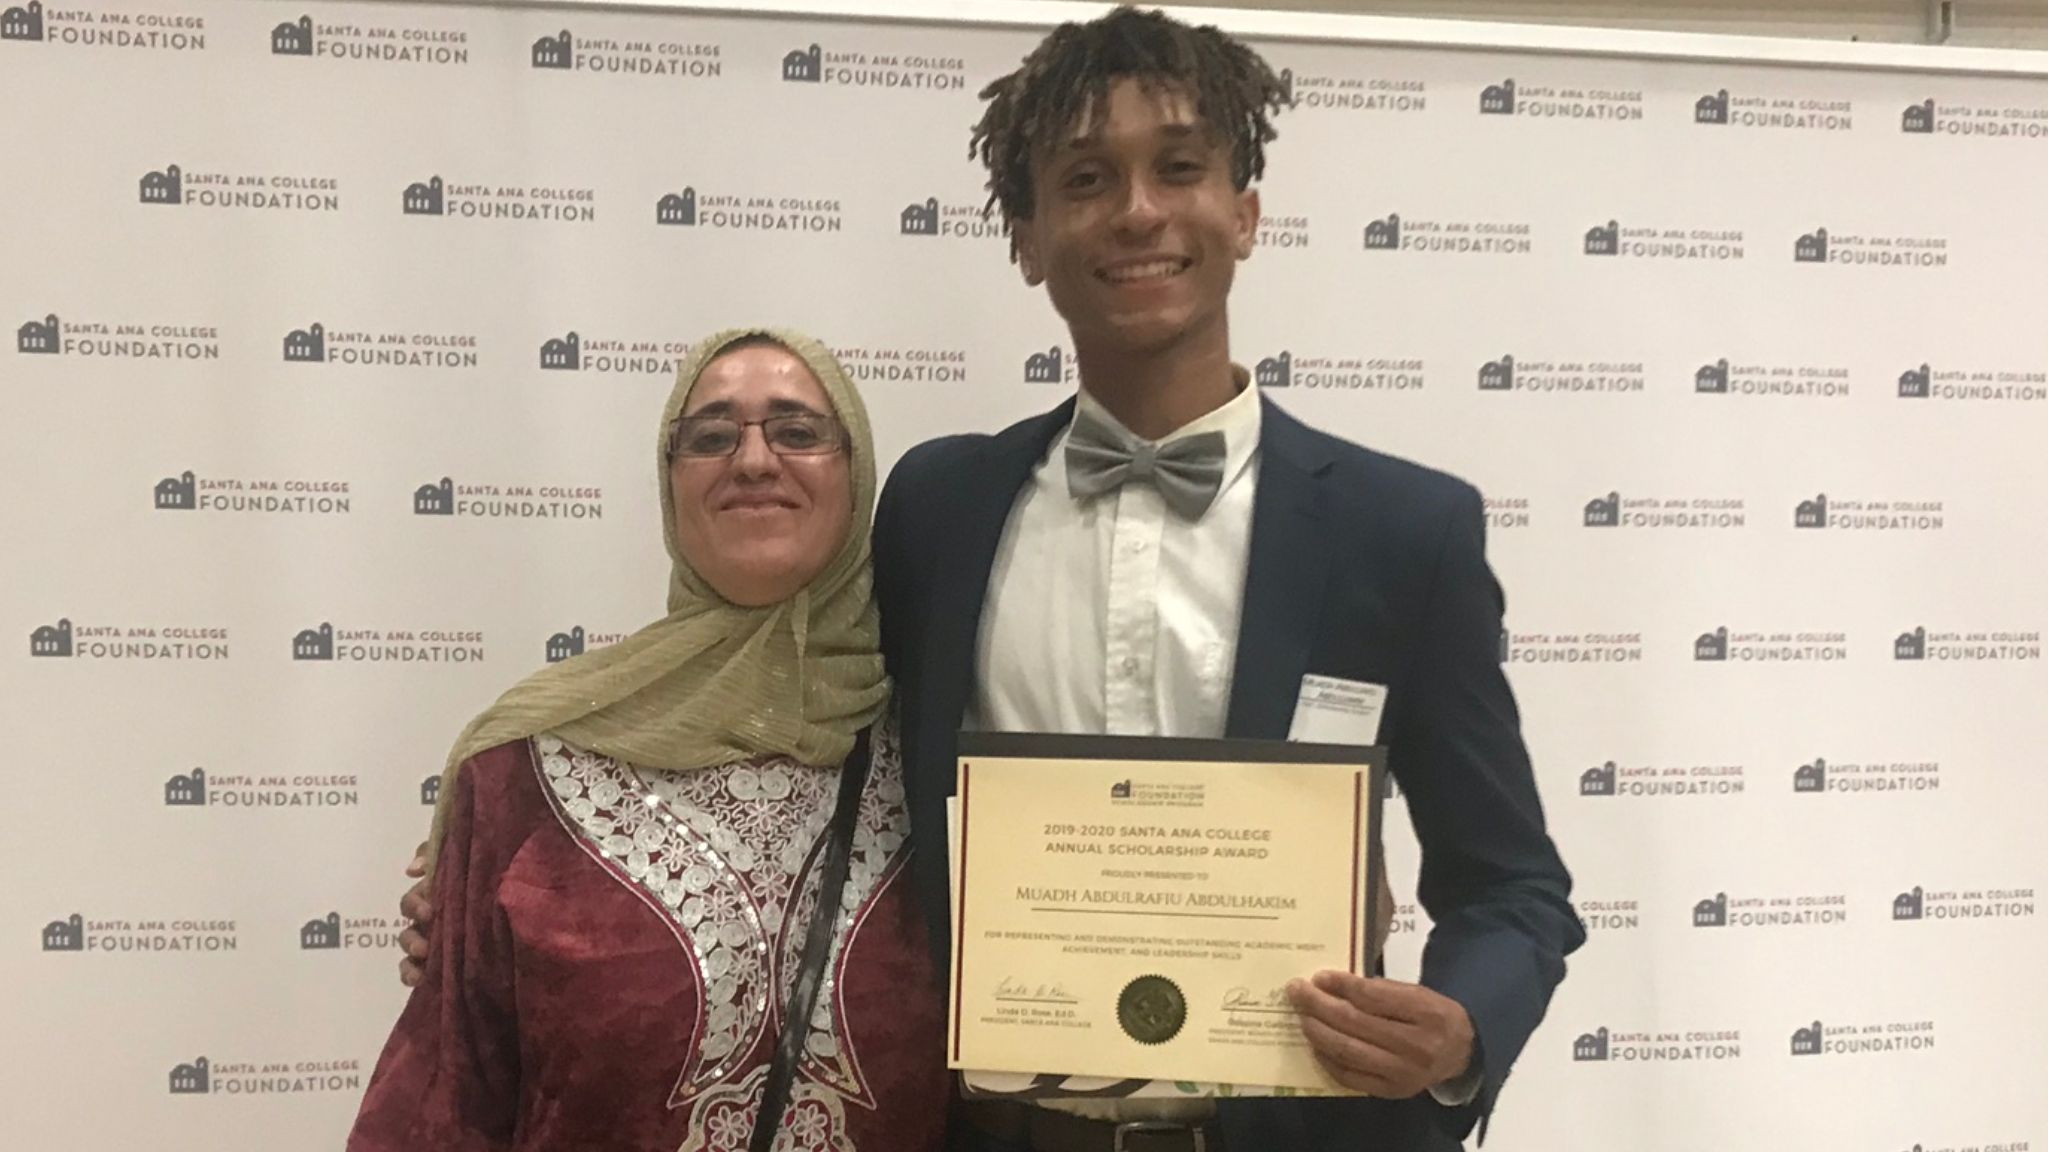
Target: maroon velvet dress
(611, 953)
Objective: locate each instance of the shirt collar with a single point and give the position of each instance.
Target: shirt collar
(1238, 418)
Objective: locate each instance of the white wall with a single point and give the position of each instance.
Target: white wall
(1983, 23)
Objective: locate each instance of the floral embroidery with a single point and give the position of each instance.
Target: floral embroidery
(731, 856)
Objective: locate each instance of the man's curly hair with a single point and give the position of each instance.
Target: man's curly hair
(1068, 75)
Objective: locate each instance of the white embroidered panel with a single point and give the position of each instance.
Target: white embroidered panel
(731, 856)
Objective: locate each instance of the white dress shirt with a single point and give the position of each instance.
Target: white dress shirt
(1114, 615)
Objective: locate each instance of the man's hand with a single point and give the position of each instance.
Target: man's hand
(416, 908)
(1383, 1037)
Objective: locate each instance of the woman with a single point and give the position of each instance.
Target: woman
(630, 844)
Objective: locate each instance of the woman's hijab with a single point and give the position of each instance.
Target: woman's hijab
(712, 682)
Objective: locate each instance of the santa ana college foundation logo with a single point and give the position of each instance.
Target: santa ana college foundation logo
(372, 42)
(175, 186)
(92, 338)
(200, 789)
(1548, 102)
(633, 56)
(914, 71)
(187, 492)
(1396, 232)
(1821, 775)
(519, 204)
(76, 933)
(90, 640)
(1602, 1046)
(1819, 1038)
(325, 643)
(76, 26)
(1919, 904)
(346, 347)
(203, 1076)
(331, 933)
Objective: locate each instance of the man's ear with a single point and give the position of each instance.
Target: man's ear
(1247, 222)
(1027, 252)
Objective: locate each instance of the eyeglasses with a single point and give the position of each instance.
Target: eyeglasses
(793, 434)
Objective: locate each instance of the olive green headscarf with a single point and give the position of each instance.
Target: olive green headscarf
(712, 682)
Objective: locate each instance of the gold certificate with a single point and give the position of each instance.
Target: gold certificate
(1133, 908)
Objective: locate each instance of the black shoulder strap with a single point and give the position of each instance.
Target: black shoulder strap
(803, 998)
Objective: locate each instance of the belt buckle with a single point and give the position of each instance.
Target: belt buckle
(1201, 1139)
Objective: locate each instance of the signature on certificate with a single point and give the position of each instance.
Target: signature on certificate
(1025, 992)
(1245, 1000)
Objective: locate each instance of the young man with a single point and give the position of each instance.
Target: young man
(1168, 554)
(1063, 576)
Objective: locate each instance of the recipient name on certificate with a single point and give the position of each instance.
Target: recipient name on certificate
(1135, 908)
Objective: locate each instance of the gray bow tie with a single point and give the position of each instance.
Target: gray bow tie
(1101, 458)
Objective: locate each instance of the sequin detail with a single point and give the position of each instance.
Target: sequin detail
(731, 855)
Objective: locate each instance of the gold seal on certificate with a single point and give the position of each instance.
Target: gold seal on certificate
(1133, 908)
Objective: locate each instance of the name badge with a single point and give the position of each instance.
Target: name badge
(1336, 711)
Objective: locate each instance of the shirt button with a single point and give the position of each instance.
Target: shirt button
(1131, 665)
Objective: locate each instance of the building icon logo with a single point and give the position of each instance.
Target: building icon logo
(321, 934)
(1384, 235)
(289, 39)
(24, 23)
(804, 65)
(434, 499)
(1711, 377)
(1711, 913)
(1910, 645)
(1918, 119)
(186, 790)
(1812, 248)
(1909, 905)
(1811, 777)
(314, 643)
(1711, 109)
(557, 51)
(67, 935)
(1811, 513)
(177, 493)
(1590, 1046)
(563, 355)
(563, 645)
(1807, 1041)
(306, 345)
(920, 219)
(1275, 371)
(1604, 511)
(1598, 780)
(1914, 383)
(425, 199)
(51, 640)
(1711, 645)
(430, 791)
(165, 187)
(677, 209)
(194, 1079)
(1498, 99)
(43, 337)
(1497, 375)
(1604, 239)
(1047, 367)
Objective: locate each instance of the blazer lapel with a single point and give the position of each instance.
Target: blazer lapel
(980, 510)
(1284, 582)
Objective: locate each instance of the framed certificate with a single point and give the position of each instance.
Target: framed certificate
(1132, 909)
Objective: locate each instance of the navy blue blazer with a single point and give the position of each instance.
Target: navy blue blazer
(1362, 566)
